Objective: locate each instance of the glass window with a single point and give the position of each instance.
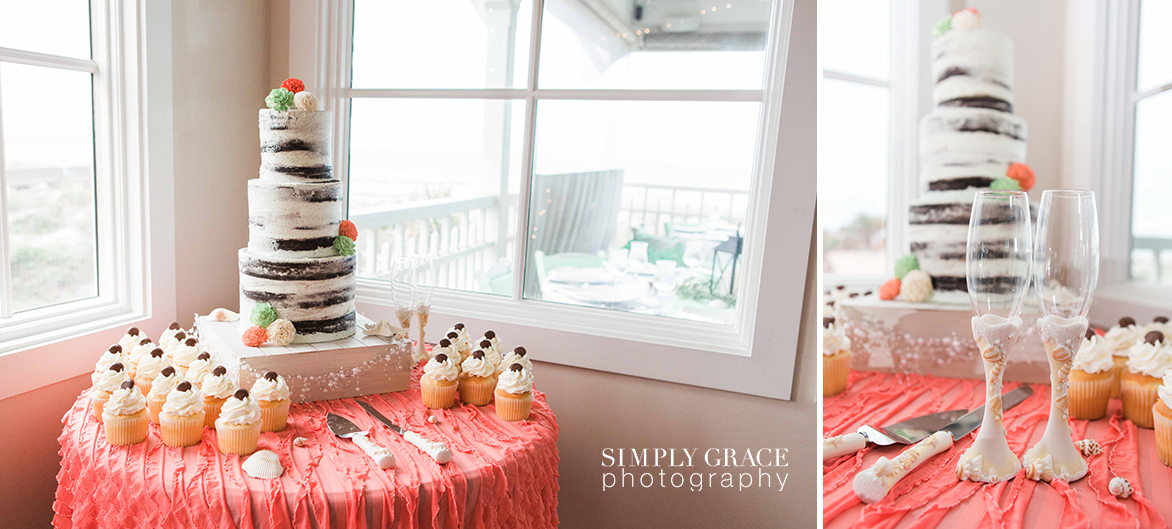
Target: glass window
(1153, 67)
(54, 27)
(1151, 183)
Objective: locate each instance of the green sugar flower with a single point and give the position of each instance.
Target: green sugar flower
(1005, 184)
(263, 314)
(280, 99)
(942, 26)
(344, 245)
(906, 264)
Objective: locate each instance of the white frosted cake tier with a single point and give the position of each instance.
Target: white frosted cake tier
(350, 367)
(964, 148)
(315, 294)
(295, 145)
(294, 219)
(973, 68)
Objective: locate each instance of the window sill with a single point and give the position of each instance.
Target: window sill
(1138, 300)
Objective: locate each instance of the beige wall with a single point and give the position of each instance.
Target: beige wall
(222, 69)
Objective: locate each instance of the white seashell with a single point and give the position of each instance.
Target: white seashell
(382, 328)
(263, 465)
(300, 441)
(1120, 487)
(1089, 447)
(432, 419)
(223, 314)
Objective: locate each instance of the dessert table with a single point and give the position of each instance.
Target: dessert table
(502, 474)
(931, 495)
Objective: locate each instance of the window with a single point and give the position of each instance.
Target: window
(1151, 224)
(73, 256)
(854, 124)
(622, 142)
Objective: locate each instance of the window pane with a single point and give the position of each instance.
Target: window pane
(666, 44)
(57, 27)
(441, 44)
(49, 162)
(857, 44)
(637, 206)
(1153, 66)
(1151, 224)
(852, 160)
(426, 178)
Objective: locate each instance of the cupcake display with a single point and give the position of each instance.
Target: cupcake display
(514, 393)
(1146, 365)
(108, 383)
(238, 426)
(113, 355)
(161, 386)
(201, 367)
(149, 368)
(182, 418)
(1162, 418)
(1120, 338)
(439, 383)
(1092, 379)
(216, 389)
(125, 416)
(477, 379)
(836, 357)
(272, 396)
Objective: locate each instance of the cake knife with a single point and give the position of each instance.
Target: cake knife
(438, 451)
(873, 484)
(850, 443)
(347, 430)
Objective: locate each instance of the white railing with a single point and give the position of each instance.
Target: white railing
(465, 236)
(654, 206)
(460, 234)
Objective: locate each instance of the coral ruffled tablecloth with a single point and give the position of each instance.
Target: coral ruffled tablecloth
(501, 474)
(931, 496)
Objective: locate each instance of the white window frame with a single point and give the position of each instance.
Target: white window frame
(134, 220)
(908, 71)
(1099, 144)
(731, 358)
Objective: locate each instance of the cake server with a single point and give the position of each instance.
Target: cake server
(438, 451)
(886, 435)
(873, 484)
(347, 430)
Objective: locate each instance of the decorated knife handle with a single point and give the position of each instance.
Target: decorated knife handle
(842, 445)
(873, 484)
(438, 451)
(381, 456)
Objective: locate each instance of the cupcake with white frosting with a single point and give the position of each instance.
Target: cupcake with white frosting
(149, 368)
(1162, 416)
(161, 386)
(477, 379)
(836, 357)
(439, 383)
(492, 353)
(182, 355)
(216, 389)
(447, 347)
(111, 356)
(182, 418)
(1146, 365)
(517, 356)
(109, 382)
(125, 416)
(133, 336)
(175, 341)
(140, 351)
(271, 394)
(492, 337)
(514, 393)
(238, 427)
(201, 367)
(170, 332)
(1120, 338)
(464, 342)
(1092, 378)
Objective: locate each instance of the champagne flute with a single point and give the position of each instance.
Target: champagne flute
(1066, 268)
(998, 268)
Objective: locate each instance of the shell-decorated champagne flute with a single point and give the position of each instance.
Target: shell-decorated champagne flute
(998, 269)
(1066, 269)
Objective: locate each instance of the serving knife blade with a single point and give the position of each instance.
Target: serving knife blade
(438, 451)
(345, 429)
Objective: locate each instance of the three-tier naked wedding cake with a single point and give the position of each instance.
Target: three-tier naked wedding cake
(971, 141)
(297, 274)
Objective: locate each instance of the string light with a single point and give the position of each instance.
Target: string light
(703, 12)
(728, 6)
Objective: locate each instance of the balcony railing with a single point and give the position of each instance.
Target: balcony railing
(467, 237)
